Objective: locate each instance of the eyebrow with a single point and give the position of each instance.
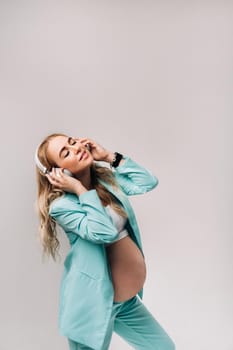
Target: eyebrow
(69, 139)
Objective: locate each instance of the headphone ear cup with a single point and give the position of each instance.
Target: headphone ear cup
(56, 171)
(88, 146)
(65, 171)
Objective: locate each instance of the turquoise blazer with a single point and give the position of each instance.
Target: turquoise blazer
(86, 290)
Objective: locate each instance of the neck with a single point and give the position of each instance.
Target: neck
(85, 179)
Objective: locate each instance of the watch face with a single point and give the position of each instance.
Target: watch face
(117, 159)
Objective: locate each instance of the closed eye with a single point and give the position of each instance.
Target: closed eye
(72, 142)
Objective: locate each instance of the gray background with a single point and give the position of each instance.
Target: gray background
(153, 80)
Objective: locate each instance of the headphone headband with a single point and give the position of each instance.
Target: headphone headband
(39, 164)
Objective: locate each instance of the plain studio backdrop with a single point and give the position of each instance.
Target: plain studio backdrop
(152, 80)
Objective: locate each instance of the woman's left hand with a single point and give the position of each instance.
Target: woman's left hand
(97, 151)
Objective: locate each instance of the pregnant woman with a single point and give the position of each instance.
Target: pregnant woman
(101, 288)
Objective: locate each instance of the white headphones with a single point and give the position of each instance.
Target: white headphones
(39, 164)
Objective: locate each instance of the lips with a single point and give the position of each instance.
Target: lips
(83, 153)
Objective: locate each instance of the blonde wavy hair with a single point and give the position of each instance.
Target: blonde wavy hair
(46, 193)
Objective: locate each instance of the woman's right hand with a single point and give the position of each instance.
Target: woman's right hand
(65, 182)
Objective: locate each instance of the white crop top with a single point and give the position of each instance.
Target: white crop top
(118, 221)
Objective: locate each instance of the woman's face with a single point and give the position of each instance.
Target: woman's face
(66, 153)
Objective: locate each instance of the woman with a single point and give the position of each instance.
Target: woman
(104, 271)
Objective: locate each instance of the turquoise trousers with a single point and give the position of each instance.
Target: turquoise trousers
(132, 321)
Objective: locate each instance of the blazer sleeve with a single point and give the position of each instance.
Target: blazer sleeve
(133, 178)
(87, 219)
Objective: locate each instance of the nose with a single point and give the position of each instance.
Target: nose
(76, 148)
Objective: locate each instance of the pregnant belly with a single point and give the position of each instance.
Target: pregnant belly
(128, 268)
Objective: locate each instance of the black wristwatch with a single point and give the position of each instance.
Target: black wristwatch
(116, 160)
